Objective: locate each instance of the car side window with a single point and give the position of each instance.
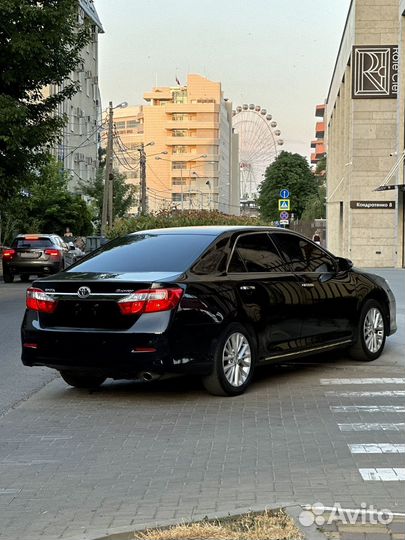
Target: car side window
(255, 253)
(302, 255)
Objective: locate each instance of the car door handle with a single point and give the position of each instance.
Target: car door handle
(307, 285)
(247, 287)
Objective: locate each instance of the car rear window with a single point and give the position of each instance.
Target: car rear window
(146, 253)
(33, 243)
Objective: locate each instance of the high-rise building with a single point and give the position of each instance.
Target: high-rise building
(78, 149)
(365, 121)
(318, 144)
(190, 148)
(128, 137)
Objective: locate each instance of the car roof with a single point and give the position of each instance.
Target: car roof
(209, 230)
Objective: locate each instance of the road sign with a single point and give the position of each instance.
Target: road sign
(284, 193)
(284, 215)
(283, 204)
(284, 222)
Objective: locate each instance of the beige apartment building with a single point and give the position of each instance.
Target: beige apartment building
(365, 137)
(128, 137)
(191, 151)
(78, 149)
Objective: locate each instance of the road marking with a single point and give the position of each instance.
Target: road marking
(384, 475)
(384, 393)
(372, 427)
(377, 448)
(382, 380)
(367, 408)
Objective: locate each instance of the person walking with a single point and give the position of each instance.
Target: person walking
(317, 238)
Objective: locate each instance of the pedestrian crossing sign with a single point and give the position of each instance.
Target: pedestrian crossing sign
(284, 204)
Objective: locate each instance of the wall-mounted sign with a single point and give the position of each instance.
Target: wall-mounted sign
(375, 71)
(372, 205)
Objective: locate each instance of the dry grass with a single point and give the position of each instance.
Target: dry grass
(252, 526)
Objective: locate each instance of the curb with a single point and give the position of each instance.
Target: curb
(122, 533)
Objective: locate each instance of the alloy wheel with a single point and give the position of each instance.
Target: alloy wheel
(373, 330)
(236, 359)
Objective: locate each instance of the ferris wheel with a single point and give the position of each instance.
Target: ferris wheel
(259, 140)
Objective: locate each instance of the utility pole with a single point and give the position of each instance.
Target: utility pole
(142, 166)
(107, 212)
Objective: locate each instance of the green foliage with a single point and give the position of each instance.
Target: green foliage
(290, 171)
(321, 167)
(124, 195)
(315, 207)
(40, 44)
(178, 218)
(46, 207)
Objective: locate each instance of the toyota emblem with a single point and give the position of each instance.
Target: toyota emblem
(83, 292)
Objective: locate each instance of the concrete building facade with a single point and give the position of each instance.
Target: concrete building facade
(78, 149)
(365, 137)
(192, 163)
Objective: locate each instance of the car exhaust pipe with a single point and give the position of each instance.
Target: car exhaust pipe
(147, 376)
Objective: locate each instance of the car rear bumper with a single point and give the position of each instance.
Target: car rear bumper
(116, 354)
(33, 267)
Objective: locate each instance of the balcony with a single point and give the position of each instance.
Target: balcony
(191, 107)
(320, 111)
(191, 124)
(320, 130)
(191, 141)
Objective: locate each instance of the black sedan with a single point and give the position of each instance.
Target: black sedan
(214, 302)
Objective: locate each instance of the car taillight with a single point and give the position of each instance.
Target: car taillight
(38, 300)
(8, 254)
(52, 252)
(150, 301)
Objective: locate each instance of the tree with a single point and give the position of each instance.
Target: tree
(46, 207)
(124, 195)
(40, 44)
(292, 172)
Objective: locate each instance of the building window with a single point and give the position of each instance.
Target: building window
(180, 133)
(120, 125)
(178, 181)
(180, 149)
(176, 197)
(133, 124)
(179, 165)
(179, 96)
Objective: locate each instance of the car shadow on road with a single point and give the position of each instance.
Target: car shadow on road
(187, 387)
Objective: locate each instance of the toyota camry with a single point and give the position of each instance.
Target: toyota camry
(214, 302)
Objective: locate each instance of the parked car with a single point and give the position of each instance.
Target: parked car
(215, 302)
(35, 254)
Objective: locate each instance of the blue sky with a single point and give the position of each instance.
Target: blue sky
(276, 53)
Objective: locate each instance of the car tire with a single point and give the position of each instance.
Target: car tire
(371, 333)
(81, 379)
(232, 371)
(7, 275)
(25, 278)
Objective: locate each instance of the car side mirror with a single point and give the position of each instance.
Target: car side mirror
(343, 265)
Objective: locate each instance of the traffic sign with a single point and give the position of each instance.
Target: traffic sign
(283, 204)
(284, 193)
(284, 222)
(284, 215)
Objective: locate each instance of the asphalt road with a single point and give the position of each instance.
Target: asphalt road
(75, 464)
(17, 383)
